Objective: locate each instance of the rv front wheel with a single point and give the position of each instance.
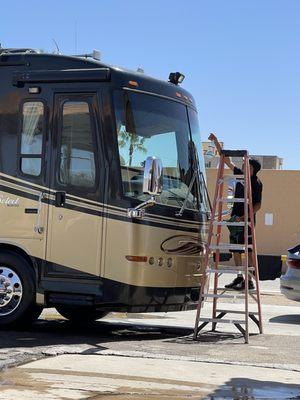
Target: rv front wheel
(17, 291)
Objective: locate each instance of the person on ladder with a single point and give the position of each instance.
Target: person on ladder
(237, 212)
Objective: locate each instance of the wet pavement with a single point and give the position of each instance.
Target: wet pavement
(153, 356)
(90, 376)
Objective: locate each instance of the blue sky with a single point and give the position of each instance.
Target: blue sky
(241, 58)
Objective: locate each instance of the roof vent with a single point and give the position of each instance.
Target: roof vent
(96, 55)
(17, 51)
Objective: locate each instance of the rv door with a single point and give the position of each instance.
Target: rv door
(74, 243)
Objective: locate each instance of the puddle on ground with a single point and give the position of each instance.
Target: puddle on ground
(225, 393)
(146, 396)
(256, 393)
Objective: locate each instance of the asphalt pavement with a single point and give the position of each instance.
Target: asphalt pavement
(131, 356)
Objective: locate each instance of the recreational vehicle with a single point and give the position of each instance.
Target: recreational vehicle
(103, 203)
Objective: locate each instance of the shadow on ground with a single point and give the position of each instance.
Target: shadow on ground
(48, 333)
(210, 337)
(286, 319)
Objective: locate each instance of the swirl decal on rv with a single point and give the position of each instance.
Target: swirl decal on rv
(182, 245)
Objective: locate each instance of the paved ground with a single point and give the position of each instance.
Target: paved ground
(153, 355)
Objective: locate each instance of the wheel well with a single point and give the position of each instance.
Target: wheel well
(17, 250)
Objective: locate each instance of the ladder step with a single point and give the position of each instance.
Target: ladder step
(229, 246)
(226, 271)
(228, 177)
(222, 321)
(229, 269)
(234, 267)
(252, 291)
(232, 200)
(234, 176)
(236, 312)
(225, 223)
(238, 295)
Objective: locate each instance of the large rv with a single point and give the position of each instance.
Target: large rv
(103, 203)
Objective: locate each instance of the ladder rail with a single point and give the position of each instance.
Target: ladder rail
(207, 253)
(219, 230)
(254, 257)
(219, 204)
(246, 240)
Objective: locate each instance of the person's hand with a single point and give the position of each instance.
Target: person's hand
(212, 137)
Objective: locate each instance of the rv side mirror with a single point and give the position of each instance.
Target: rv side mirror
(152, 184)
(153, 176)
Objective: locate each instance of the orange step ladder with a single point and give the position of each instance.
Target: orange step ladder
(240, 318)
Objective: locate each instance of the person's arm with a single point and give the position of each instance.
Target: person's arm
(256, 207)
(227, 160)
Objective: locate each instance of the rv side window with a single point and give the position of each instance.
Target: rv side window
(77, 160)
(32, 137)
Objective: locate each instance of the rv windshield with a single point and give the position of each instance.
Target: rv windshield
(152, 126)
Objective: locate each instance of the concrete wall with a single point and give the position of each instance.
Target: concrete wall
(269, 162)
(281, 197)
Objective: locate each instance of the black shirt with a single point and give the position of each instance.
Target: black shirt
(256, 186)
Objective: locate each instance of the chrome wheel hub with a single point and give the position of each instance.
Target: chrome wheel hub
(11, 290)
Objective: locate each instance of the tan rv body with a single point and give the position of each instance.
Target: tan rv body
(98, 245)
(75, 135)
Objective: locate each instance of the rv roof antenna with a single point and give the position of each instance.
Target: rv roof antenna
(75, 37)
(57, 48)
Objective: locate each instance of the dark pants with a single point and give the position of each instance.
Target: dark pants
(238, 238)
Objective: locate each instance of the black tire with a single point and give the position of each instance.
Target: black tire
(26, 311)
(79, 315)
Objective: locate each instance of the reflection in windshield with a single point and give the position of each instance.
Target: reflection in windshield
(151, 126)
(132, 142)
(198, 151)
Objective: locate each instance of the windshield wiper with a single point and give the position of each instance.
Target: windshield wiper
(178, 199)
(183, 207)
(206, 198)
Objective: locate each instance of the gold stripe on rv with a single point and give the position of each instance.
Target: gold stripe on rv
(108, 259)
